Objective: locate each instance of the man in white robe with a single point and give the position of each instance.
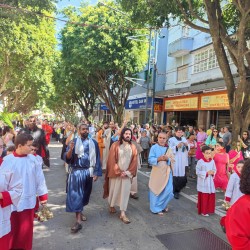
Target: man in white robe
(180, 149)
(121, 168)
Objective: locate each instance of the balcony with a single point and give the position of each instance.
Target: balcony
(180, 47)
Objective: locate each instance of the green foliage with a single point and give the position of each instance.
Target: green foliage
(7, 118)
(100, 54)
(27, 52)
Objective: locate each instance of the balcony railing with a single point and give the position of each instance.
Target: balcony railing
(180, 47)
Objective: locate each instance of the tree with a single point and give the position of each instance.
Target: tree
(27, 52)
(97, 48)
(228, 23)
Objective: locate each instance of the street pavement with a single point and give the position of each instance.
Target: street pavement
(104, 231)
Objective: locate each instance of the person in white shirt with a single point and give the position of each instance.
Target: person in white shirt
(33, 181)
(205, 170)
(233, 192)
(10, 192)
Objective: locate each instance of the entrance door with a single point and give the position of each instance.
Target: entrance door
(188, 118)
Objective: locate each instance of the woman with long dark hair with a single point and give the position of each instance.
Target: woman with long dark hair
(212, 139)
(245, 145)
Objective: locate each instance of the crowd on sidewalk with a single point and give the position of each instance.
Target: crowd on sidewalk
(173, 153)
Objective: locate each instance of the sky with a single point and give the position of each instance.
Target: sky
(65, 3)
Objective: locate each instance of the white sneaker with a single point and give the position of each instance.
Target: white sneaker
(205, 215)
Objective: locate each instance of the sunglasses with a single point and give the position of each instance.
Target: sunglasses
(215, 131)
(34, 149)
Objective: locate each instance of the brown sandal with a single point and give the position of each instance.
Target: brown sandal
(125, 219)
(83, 217)
(112, 210)
(77, 227)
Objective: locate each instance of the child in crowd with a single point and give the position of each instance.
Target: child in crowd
(233, 192)
(205, 170)
(33, 181)
(34, 148)
(10, 192)
(10, 150)
(145, 144)
(191, 155)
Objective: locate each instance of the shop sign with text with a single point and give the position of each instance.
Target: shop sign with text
(213, 102)
(179, 104)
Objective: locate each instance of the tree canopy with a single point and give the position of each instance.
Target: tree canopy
(27, 52)
(98, 55)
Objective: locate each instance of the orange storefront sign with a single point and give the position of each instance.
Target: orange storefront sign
(157, 107)
(208, 101)
(214, 101)
(181, 103)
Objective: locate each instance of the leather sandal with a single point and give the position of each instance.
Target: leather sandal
(77, 227)
(125, 219)
(165, 210)
(134, 196)
(83, 217)
(112, 210)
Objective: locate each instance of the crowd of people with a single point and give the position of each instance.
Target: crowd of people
(173, 153)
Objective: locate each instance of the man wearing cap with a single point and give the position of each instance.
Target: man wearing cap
(210, 131)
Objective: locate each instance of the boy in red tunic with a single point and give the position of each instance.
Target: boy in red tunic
(205, 170)
(34, 184)
(10, 193)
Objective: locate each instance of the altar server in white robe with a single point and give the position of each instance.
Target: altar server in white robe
(205, 171)
(233, 192)
(33, 181)
(180, 149)
(10, 192)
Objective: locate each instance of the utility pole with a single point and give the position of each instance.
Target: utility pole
(149, 58)
(154, 75)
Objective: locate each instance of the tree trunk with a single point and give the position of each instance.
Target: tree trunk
(118, 116)
(237, 95)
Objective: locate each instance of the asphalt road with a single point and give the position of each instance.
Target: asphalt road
(105, 231)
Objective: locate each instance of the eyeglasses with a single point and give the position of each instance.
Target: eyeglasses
(244, 134)
(215, 131)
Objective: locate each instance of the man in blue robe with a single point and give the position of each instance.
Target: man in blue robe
(161, 181)
(83, 157)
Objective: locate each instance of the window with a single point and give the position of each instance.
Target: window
(182, 73)
(185, 31)
(206, 60)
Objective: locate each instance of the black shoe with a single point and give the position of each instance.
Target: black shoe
(176, 195)
(134, 196)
